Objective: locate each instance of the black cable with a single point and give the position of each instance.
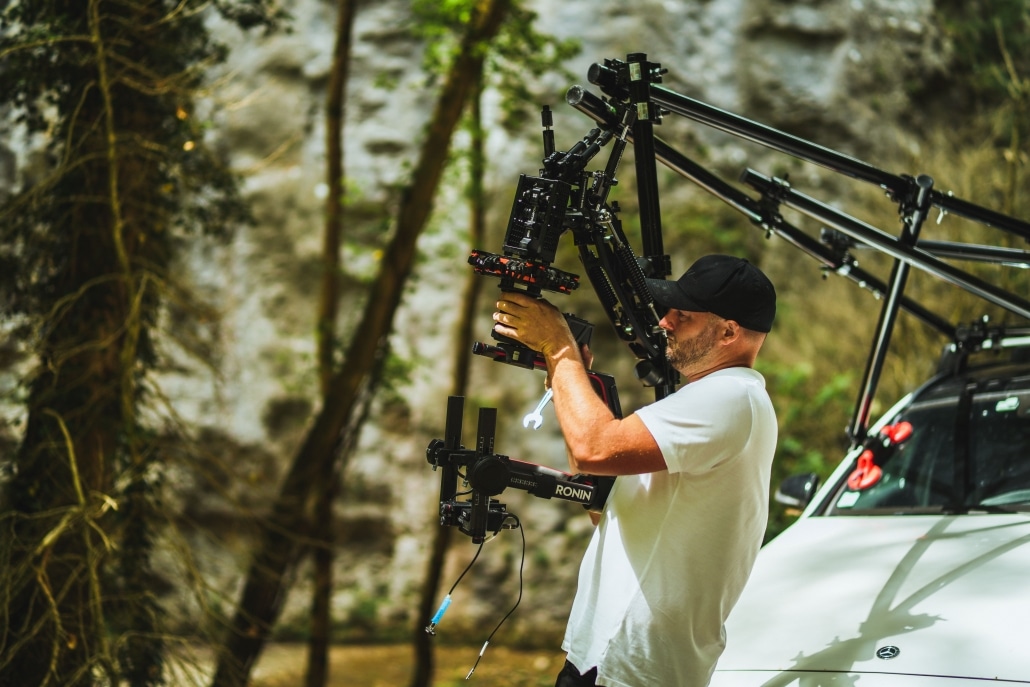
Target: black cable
(467, 568)
(522, 562)
(431, 627)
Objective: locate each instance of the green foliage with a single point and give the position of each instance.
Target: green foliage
(702, 225)
(992, 63)
(517, 57)
(396, 375)
(520, 55)
(813, 406)
(992, 43)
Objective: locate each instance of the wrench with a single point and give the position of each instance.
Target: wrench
(535, 417)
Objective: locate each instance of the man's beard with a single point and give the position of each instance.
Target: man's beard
(685, 353)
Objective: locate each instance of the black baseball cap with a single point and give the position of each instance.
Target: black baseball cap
(727, 286)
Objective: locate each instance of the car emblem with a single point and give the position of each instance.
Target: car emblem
(887, 652)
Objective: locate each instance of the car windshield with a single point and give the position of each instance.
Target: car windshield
(960, 448)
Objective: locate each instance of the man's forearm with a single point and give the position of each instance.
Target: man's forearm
(597, 442)
(581, 413)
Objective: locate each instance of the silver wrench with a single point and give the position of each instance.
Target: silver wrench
(535, 417)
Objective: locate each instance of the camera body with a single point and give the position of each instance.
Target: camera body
(535, 224)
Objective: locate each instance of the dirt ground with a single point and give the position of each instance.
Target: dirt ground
(282, 665)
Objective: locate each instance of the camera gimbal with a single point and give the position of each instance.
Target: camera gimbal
(488, 474)
(563, 197)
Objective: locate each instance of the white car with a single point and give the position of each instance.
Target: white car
(911, 565)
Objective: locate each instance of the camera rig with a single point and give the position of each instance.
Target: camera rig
(565, 197)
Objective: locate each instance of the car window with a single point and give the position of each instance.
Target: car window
(1000, 440)
(968, 449)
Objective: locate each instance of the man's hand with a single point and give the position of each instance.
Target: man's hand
(533, 322)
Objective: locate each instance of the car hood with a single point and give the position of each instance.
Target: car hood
(935, 596)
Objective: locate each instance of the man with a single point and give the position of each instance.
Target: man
(682, 526)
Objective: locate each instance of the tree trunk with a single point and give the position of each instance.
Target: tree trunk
(265, 585)
(82, 427)
(322, 534)
(422, 675)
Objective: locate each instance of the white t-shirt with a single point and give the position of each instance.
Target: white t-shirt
(674, 548)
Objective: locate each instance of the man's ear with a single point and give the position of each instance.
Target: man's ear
(730, 331)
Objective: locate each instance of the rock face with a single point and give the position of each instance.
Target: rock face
(840, 72)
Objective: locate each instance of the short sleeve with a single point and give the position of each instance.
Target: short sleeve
(705, 422)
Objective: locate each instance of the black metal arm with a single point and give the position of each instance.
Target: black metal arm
(914, 195)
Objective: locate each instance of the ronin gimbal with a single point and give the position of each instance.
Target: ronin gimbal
(487, 474)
